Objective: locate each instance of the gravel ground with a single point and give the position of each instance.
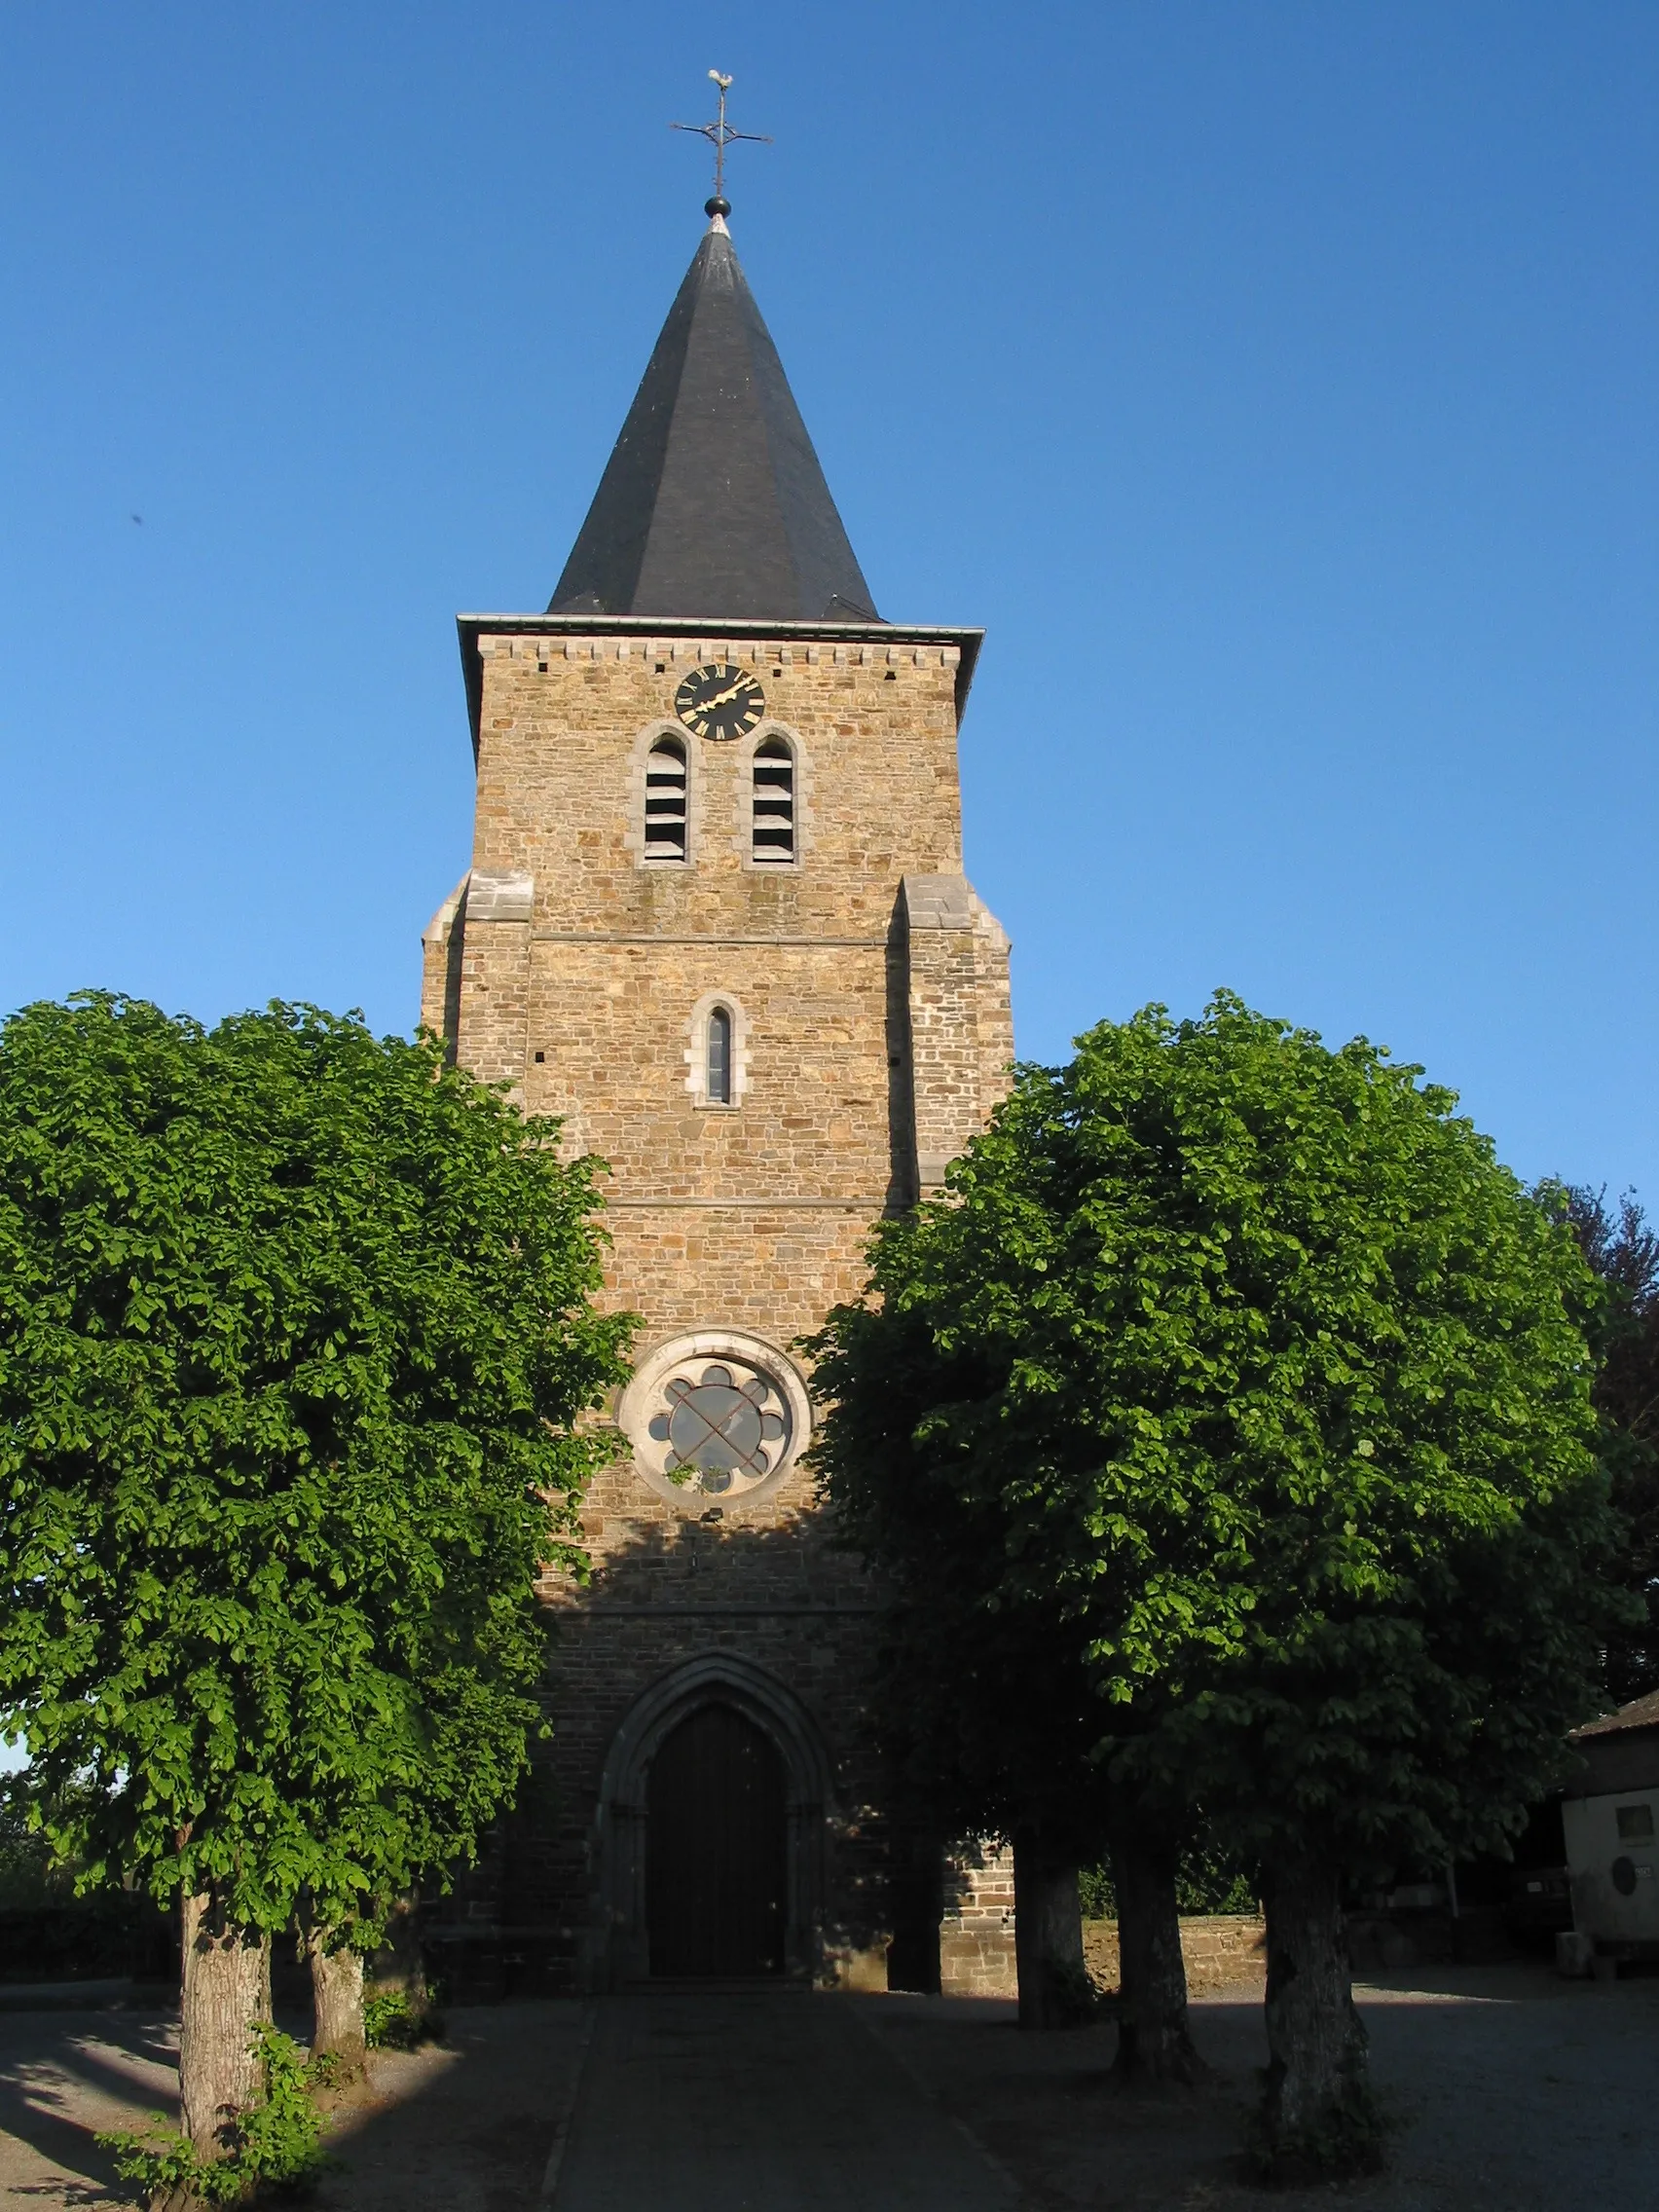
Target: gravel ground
(463, 2126)
(1511, 2091)
(65, 2074)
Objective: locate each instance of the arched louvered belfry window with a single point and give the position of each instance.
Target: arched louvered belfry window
(717, 1049)
(774, 817)
(665, 800)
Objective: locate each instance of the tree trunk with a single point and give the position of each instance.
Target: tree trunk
(226, 1990)
(1318, 2120)
(337, 1999)
(1155, 2041)
(1048, 1939)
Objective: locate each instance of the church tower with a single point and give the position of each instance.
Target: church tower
(717, 919)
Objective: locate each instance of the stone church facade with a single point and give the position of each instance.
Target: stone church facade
(716, 920)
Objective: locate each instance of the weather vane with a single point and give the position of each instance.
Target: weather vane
(721, 134)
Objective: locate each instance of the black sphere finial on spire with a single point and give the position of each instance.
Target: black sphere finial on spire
(721, 134)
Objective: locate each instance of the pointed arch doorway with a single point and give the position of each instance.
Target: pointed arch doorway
(717, 1850)
(693, 1850)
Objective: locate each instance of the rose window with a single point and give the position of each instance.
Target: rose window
(720, 1427)
(719, 1415)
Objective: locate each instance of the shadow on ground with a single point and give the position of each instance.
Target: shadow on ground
(461, 2127)
(464, 2125)
(1509, 2091)
(66, 2076)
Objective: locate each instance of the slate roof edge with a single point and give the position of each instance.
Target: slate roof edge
(472, 627)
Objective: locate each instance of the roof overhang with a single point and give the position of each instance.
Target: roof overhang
(472, 627)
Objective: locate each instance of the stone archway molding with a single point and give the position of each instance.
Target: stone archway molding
(715, 1678)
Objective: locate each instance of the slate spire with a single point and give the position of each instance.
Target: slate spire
(713, 502)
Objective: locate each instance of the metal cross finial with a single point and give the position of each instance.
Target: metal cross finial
(721, 134)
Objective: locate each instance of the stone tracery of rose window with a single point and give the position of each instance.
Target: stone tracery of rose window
(722, 1427)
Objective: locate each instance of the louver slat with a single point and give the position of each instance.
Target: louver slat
(665, 800)
(772, 819)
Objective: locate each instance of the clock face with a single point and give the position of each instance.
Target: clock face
(720, 702)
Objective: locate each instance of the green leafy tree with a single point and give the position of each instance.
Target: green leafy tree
(1211, 1879)
(29, 1872)
(295, 1335)
(1623, 1252)
(992, 1718)
(1276, 1400)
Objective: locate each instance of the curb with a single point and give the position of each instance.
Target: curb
(565, 2120)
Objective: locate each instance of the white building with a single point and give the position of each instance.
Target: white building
(1611, 1817)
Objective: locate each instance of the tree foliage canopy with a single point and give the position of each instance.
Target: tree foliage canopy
(294, 1327)
(1623, 1251)
(1254, 1380)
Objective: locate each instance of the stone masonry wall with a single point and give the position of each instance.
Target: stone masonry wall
(872, 1026)
(975, 1935)
(961, 1024)
(1218, 1949)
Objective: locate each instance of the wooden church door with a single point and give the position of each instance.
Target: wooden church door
(717, 1852)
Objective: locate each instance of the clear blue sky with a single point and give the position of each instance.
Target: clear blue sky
(1273, 379)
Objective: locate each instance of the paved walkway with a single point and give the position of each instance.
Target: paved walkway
(760, 2102)
(1511, 2092)
(66, 2071)
(461, 2126)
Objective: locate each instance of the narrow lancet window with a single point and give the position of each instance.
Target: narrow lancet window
(718, 1088)
(665, 800)
(774, 832)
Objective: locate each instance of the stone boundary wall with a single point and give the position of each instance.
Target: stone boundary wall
(1220, 1948)
(976, 1933)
